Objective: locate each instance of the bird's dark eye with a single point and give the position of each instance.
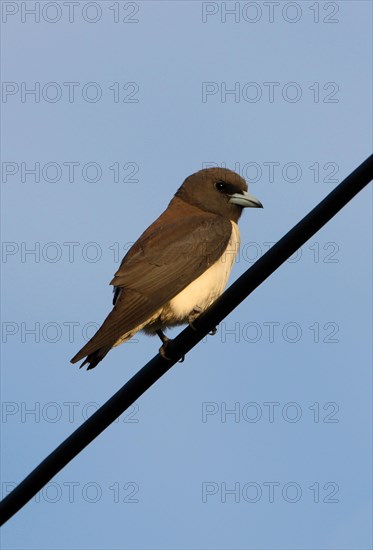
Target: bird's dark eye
(220, 185)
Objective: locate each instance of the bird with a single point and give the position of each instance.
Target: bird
(179, 266)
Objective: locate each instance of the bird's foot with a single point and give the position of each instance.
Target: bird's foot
(196, 312)
(163, 348)
(162, 336)
(193, 316)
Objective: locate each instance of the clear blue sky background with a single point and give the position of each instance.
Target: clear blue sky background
(162, 476)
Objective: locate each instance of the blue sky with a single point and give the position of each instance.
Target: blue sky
(261, 439)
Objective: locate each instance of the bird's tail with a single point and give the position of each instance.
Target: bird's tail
(114, 330)
(93, 358)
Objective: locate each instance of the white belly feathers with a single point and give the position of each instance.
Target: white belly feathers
(208, 287)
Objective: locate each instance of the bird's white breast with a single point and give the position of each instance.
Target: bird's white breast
(202, 292)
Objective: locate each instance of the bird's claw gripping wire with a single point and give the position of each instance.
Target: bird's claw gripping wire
(193, 316)
(163, 348)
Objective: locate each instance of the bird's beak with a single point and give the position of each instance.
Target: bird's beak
(246, 200)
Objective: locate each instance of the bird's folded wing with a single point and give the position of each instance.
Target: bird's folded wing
(169, 255)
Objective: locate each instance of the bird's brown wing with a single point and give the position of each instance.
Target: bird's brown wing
(168, 256)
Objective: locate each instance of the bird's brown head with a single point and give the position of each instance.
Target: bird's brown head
(218, 190)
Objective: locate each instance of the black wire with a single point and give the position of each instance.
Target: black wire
(187, 339)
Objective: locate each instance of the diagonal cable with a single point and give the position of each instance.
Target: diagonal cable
(187, 339)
